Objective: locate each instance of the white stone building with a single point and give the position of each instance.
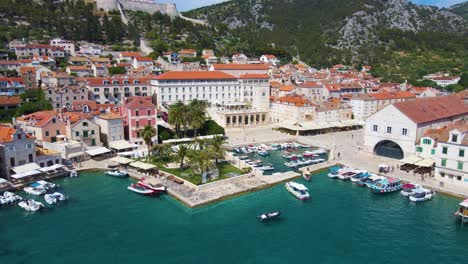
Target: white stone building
(112, 127)
(68, 46)
(394, 130)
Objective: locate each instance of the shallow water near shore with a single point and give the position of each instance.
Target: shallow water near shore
(342, 223)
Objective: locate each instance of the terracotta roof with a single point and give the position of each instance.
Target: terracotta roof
(254, 76)
(93, 105)
(463, 94)
(139, 102)
(110, 116)
(24, 70)
(310, 85)
(143, 59)
(194, 75)
(270, 56)
(287, 88)
(184, 51)
(296, 100)
(9, 62)
(78, 68)
(275, 84)
(6, 134)
(38, 119)
(442, 134)
(75, 58)
(425, 110)
(235, 66)
(392, 95)
(130, 54)
(10, 100)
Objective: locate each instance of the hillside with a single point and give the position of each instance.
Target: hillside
(324, 32)
(461, 10)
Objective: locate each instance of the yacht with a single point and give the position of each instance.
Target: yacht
(35, 190)
(298, 190)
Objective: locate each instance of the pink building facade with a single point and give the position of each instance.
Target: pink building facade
(138, 112)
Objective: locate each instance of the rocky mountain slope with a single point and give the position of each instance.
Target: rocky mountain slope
(461, 10)
(336, 28)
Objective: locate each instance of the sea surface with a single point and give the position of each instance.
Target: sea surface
(103, 223)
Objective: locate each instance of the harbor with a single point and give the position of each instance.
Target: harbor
(102, 213)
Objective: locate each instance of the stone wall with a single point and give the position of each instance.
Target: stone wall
(169, 8)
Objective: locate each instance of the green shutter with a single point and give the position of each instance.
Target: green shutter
(432, 151)
(443, 163)
(461, 153)
(460, 165)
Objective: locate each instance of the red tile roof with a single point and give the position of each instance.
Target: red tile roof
(296, 100)
(78, 68)
(139, 102)
(432, 109)
(287, 88)
(194, 75)
(254, 76)
(130, 54)
(310, 85)
(143, 59)
(392, 95)
(6, 134)
(235, 66)
(10, 100)
(38, 119)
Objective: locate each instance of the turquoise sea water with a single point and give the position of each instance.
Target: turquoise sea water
(342, 223)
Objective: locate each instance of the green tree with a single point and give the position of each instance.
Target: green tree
(147, 134)
(163, 150)
(197, 114)
(202, 161)
(217, 148)
(181, 154)
(178, 116)
(117, 70)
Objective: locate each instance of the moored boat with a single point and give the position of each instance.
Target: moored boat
(141, 189)
(360, 176)
(30, 205)
(349, 174)
(408, 189)
(263, 153)
(298, 190)
(9, 197)
(73, 174)
(35, 190)
(306, 176)
(266, 168)
(117, 173)
(462, 211)
(44, 184)
(386, 185)
(268, 216)
(158, 188)
(421, 195)
(54, 198)
(373, 180)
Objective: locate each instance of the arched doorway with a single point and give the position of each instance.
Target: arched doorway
(389, 149)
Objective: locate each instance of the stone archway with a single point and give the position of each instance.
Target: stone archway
(389, 149)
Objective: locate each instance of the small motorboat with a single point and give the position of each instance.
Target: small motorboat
(266, 168)
(462, 211)
(141, 189)
(263, 153)
(35, 190)
(298, 190)
(372, 180)
(421, 195)
(54, 198)
(73, 174)
(159, 188)
(117, 173)
(31, 205)
(359, 177)
(408, 189)
(243, 157)
(44, 184)
(349, 174)
(386, 185)
(291, 164)
(306, 176)
(334, 173)
(9, 197)
(268, 216)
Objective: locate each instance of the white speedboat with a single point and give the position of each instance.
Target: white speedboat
(54, 198)
(9, 197)
(335, 174)
(298, 190)
(44, 184)
(421, 195)
(158, 188)
(35, 190)
(137, 188)
(73, 174)
(117, 173)
(31, 205)
(266, 168)
(408, 189)
(349, 174)
(291, 164)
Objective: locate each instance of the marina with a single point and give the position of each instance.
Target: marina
(165, 223)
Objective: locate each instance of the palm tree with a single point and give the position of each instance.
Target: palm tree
(147, 134)
(198, 143)
(202, 161)
(181, 154)
(197, 114)
(163, 150)
(178, 116)
(217, 148)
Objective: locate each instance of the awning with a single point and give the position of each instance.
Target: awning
(75, 154)
(122, 144)
(142, 166)
(97, 151)
(121, 160)
(51, 168)
(26, 167)
(424, 163)
(411, 159)
(25, 174)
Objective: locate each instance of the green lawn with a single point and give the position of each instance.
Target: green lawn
(224, 170)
